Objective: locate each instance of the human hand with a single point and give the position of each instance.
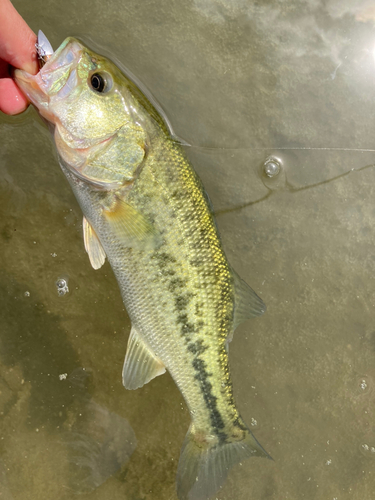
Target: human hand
(17, 49)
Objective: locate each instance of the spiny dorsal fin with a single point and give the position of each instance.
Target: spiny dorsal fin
(247, 304)
(140, 365)
(131, 226)
(93, 246)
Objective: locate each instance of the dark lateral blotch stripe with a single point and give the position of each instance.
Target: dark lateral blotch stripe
(202, 376)
(176, 283)
(181, 301)
(197, 347)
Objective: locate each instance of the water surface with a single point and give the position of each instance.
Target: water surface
(293, 80)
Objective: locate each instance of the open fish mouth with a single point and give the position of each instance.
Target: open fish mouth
(54, 70)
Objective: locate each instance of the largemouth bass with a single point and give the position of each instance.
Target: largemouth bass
(145, 209)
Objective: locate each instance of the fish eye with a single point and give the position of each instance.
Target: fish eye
(100, 82)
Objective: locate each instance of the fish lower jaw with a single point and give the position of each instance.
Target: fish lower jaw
(31, 87)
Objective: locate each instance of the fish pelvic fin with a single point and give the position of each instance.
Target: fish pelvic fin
(203, 467)
(140, 365)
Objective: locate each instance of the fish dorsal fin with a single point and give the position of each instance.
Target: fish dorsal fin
(247, 304)
(140, 365)
(131, 226)
(93, 246)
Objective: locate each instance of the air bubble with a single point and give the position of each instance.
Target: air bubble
(363, 384)
(272, 173)
(62, 287)
(271, 167)
(368, 450)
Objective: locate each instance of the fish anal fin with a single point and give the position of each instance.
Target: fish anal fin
(247, 304)
(131, 226)
(204, 465)
(93, 246)
(140, 365)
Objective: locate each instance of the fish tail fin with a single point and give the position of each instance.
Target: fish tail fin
(203, 467)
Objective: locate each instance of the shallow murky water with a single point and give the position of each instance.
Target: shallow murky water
(290, 80)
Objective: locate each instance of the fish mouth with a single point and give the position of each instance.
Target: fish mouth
(54, 66)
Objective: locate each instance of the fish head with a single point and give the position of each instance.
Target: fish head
(90, 105)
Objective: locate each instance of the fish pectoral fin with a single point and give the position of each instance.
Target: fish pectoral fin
(140, 365)
(247, 304)
(131, 226)
(93, 246)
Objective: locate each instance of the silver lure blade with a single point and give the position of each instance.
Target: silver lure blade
(43, 48)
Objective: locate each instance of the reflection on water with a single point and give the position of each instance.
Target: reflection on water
(257, 79)
(100, 443)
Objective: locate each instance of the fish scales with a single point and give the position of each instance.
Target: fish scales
(198, 297)
(157, 229)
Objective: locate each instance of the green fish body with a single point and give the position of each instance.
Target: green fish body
(145, 209)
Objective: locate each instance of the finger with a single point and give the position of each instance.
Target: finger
(12, 101)
(4, 69)
(17, 40)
